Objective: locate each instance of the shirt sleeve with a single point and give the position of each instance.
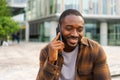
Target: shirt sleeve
(101, 70)
(47, 70)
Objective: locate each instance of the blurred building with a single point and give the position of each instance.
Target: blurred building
(102, 19)
(18, 14)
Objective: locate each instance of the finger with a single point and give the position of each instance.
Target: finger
(58, 43)
(58, 46)
(57, 37)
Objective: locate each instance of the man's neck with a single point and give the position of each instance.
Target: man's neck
(69, 48)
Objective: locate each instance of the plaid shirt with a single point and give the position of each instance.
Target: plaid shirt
(90, 64)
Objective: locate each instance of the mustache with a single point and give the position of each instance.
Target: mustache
(73, 37)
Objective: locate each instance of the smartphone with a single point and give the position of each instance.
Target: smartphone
(59, 30)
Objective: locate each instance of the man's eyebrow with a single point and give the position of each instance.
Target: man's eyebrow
(69, 25)
(81, 26)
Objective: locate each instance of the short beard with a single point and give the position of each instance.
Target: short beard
(67, 45)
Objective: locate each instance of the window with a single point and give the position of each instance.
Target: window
(92, 31)
(86, 6)
(74, 4)
(20, 1)
(53, 6)
(113, 7)
(114, 34)
(95, 6)
(104, 6)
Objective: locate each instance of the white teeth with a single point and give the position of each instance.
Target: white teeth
(73, 40)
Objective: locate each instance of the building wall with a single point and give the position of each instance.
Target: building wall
(18, 12)
(101, 18)
(17, 3)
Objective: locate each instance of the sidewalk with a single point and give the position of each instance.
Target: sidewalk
(21, 61)
(113, 58)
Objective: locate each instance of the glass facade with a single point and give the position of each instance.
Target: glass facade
(74, 4)
(50, 7)
(113, 7)
(104, 7)
(90, 6)
(19, 1)
(59, 5)
(114, 34)
(95, 6)
(39, 32)
(86, 6)
(41, 8)
(92, 31)
(8, 1)
(38, 9)
(53, 6)
(31, 10)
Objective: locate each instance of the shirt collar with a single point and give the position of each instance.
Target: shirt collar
(84, 41)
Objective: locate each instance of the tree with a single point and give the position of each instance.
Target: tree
(4, 9)
(7, 25)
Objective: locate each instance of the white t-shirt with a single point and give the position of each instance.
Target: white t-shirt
(68, 68)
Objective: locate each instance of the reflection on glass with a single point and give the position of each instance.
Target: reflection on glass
(113, 7)
(104, 7)
(114, 34)
(20, 1)
(86, 6)
(95, 6)
(74, 4)
(92, 31)
(53, 6)
(58, 6)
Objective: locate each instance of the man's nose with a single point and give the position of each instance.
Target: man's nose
(74, 33)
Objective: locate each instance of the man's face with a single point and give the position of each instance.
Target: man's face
(72, 30)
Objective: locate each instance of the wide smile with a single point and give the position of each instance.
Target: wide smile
(73, 40)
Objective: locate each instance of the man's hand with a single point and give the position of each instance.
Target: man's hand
(55, 46)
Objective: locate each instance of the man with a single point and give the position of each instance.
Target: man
(74, 57)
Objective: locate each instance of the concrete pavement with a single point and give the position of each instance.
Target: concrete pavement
(21, 61)
(113, 58)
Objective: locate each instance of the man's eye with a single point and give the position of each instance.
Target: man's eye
(80, 29)
(68, 28)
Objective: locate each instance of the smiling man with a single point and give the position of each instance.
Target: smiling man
(74, 57)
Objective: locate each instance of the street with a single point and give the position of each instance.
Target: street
(21, 61)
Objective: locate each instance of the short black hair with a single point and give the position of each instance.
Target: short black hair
(69, 12)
